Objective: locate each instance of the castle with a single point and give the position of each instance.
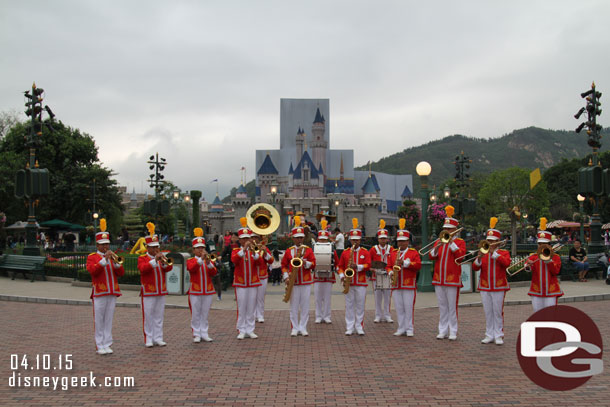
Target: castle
(305, 175)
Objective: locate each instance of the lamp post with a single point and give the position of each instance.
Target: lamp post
(424, 282)
(175, 200)
(187, 200)
(274, 235)
(524, 228)
(95, 216)
(447, 192)
(581, 201)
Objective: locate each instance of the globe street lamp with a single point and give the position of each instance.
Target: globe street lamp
(274, 235)
(581, 201)
(176, 198)
(187, 200)
(95, 216)
(524, 217)
(424, 282)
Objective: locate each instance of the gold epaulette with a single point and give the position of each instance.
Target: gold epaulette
(145, 254)
(92, 253)
(236, 248)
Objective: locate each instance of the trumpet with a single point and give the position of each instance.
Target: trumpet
(212, 258)
(485, 246)
(117, 259)
(166, 261)
(444, 237)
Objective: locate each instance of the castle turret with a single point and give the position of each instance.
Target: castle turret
(300, 141)
(319, 146)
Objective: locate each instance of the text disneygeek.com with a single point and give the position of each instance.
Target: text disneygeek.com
(48, 363)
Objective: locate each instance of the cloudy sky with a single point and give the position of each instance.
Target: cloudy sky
(201, 81)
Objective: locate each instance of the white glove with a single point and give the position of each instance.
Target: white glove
(391, 273)
(307, 264)
(153, 263)
(256, 256)
(341, 276)
(495, 255)
(200, 261)
(285, 275)
(360, 267)
(453, 247)
(103, 262)
(477, 261)
(406, 263)
(433, 252)
(241, 252)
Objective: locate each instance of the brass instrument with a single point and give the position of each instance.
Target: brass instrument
(349, 274)
(395, 268)
(444, 237)
(544, 252)
(263, 219)
(212, 258)
(485, 246)
(166, 261)
(295, 263)
(117, 259)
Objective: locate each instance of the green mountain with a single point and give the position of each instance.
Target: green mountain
(530, 148)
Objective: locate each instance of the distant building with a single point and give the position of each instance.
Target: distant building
(307, 176)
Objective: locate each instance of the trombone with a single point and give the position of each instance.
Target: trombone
(545, 252)
(444, 237)
(484, 248)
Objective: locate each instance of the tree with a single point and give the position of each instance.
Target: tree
(72, 160)
(410, 211)
(507, 189)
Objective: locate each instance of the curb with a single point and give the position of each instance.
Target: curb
(17, 298)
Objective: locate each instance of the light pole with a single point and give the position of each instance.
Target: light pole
(524, 228)
(581, 201)
(95, 216)
(176, 199)
(424, 282)
(274, 236)
(187, 200)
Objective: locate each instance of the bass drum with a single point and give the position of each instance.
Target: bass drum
(324, 258)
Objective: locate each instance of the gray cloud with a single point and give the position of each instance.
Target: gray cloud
(200, 82)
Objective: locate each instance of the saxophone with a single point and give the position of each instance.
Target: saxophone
(295, 263)
(396, 268)
(349, 273)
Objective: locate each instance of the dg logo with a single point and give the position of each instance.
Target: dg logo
(560, 348)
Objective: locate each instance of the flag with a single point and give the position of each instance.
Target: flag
(535, 178)
(243, 168)
(214, 180)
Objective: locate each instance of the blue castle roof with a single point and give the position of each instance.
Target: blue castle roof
(406, 193)
(306, 159)
(369, 186)
(267, 167)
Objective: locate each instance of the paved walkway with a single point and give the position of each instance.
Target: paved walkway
(326, 368)
(50, 290)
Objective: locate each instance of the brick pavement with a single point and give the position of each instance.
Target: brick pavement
(327, 368)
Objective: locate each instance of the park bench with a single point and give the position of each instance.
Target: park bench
(23, 264)
(568, 270)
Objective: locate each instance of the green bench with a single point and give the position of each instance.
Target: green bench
(23, 264)
(568, 270)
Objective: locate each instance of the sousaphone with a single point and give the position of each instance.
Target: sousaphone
(263, 219)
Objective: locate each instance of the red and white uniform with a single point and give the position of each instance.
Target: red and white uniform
(447, 281)
(245, 281)
(153, 291)
(493, 286)
(104, 292)
(301, 291)
(545, 289)
(382, 297)
(201, 292)
(354, 299)
(263, 273)
(405, 292)
(322, 290)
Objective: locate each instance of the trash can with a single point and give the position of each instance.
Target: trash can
(178, 278)
(467, 278)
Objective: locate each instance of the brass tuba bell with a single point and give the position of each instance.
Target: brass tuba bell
(263, 219)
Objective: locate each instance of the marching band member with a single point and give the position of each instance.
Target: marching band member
(380, 254)
(322, 286)
(262, 266)
(245, 281)
(404, 291)
(299, 300)
(447, 277)
(201, 291)
(493, 284)
(544, 288)
(359, 260)
(104, 270)
(153, 266)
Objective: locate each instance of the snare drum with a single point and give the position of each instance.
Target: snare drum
(383, 280)
(324, 256)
